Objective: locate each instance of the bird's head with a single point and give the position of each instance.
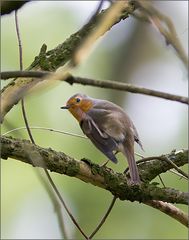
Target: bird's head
(78, 105)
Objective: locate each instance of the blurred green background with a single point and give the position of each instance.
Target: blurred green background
(131, 52)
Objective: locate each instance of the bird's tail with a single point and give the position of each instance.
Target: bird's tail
(135, 178)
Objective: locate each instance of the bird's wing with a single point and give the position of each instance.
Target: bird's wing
(100, 139)
(117, 123)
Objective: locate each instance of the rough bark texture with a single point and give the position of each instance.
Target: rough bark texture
(51, 61)
(103, 177)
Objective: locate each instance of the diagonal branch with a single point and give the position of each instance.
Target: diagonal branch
(53, 59)
(99, 83)
(87, 171)
(170, 210)
(126, 87)
(165, 26)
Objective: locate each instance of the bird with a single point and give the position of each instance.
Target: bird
(108, 127)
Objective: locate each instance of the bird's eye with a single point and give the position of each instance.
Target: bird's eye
(78, 100)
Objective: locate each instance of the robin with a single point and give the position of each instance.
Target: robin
(108, 127)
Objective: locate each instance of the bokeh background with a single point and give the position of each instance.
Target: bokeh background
(132, 52)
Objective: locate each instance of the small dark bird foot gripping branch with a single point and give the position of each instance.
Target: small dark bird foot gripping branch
(103, 177)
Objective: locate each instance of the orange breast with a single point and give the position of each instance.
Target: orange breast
(86, 105)
(78, 110)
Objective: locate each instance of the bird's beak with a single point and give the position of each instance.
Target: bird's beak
(65, 107)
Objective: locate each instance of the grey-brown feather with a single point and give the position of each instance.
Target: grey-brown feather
(100, 139)
(110, 129)
(113, 120)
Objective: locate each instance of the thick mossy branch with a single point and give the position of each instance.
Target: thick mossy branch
(52, 60)
(87, 171)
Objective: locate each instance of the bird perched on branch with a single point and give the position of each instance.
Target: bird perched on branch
(108, 127)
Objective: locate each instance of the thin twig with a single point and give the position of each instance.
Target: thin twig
(33, 141)
(26, 121)
(161, 180)
(104, 218)
(127, 87)
(175, 166)
(47, 129)
(178, 174)
(19, 41)
(158, 20)
(53, 197)
(139, 155)
(163, 158)
(100, 83)
(64, 204)
(54, 200)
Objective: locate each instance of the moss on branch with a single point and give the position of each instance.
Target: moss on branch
(51, 60)
(87, 171)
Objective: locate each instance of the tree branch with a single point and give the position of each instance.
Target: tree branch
(53, 59)
(161, 164)
(170, 210)
(126, 87)
(164, 25)
(87, 171)
(24, 74)
(98, 83)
